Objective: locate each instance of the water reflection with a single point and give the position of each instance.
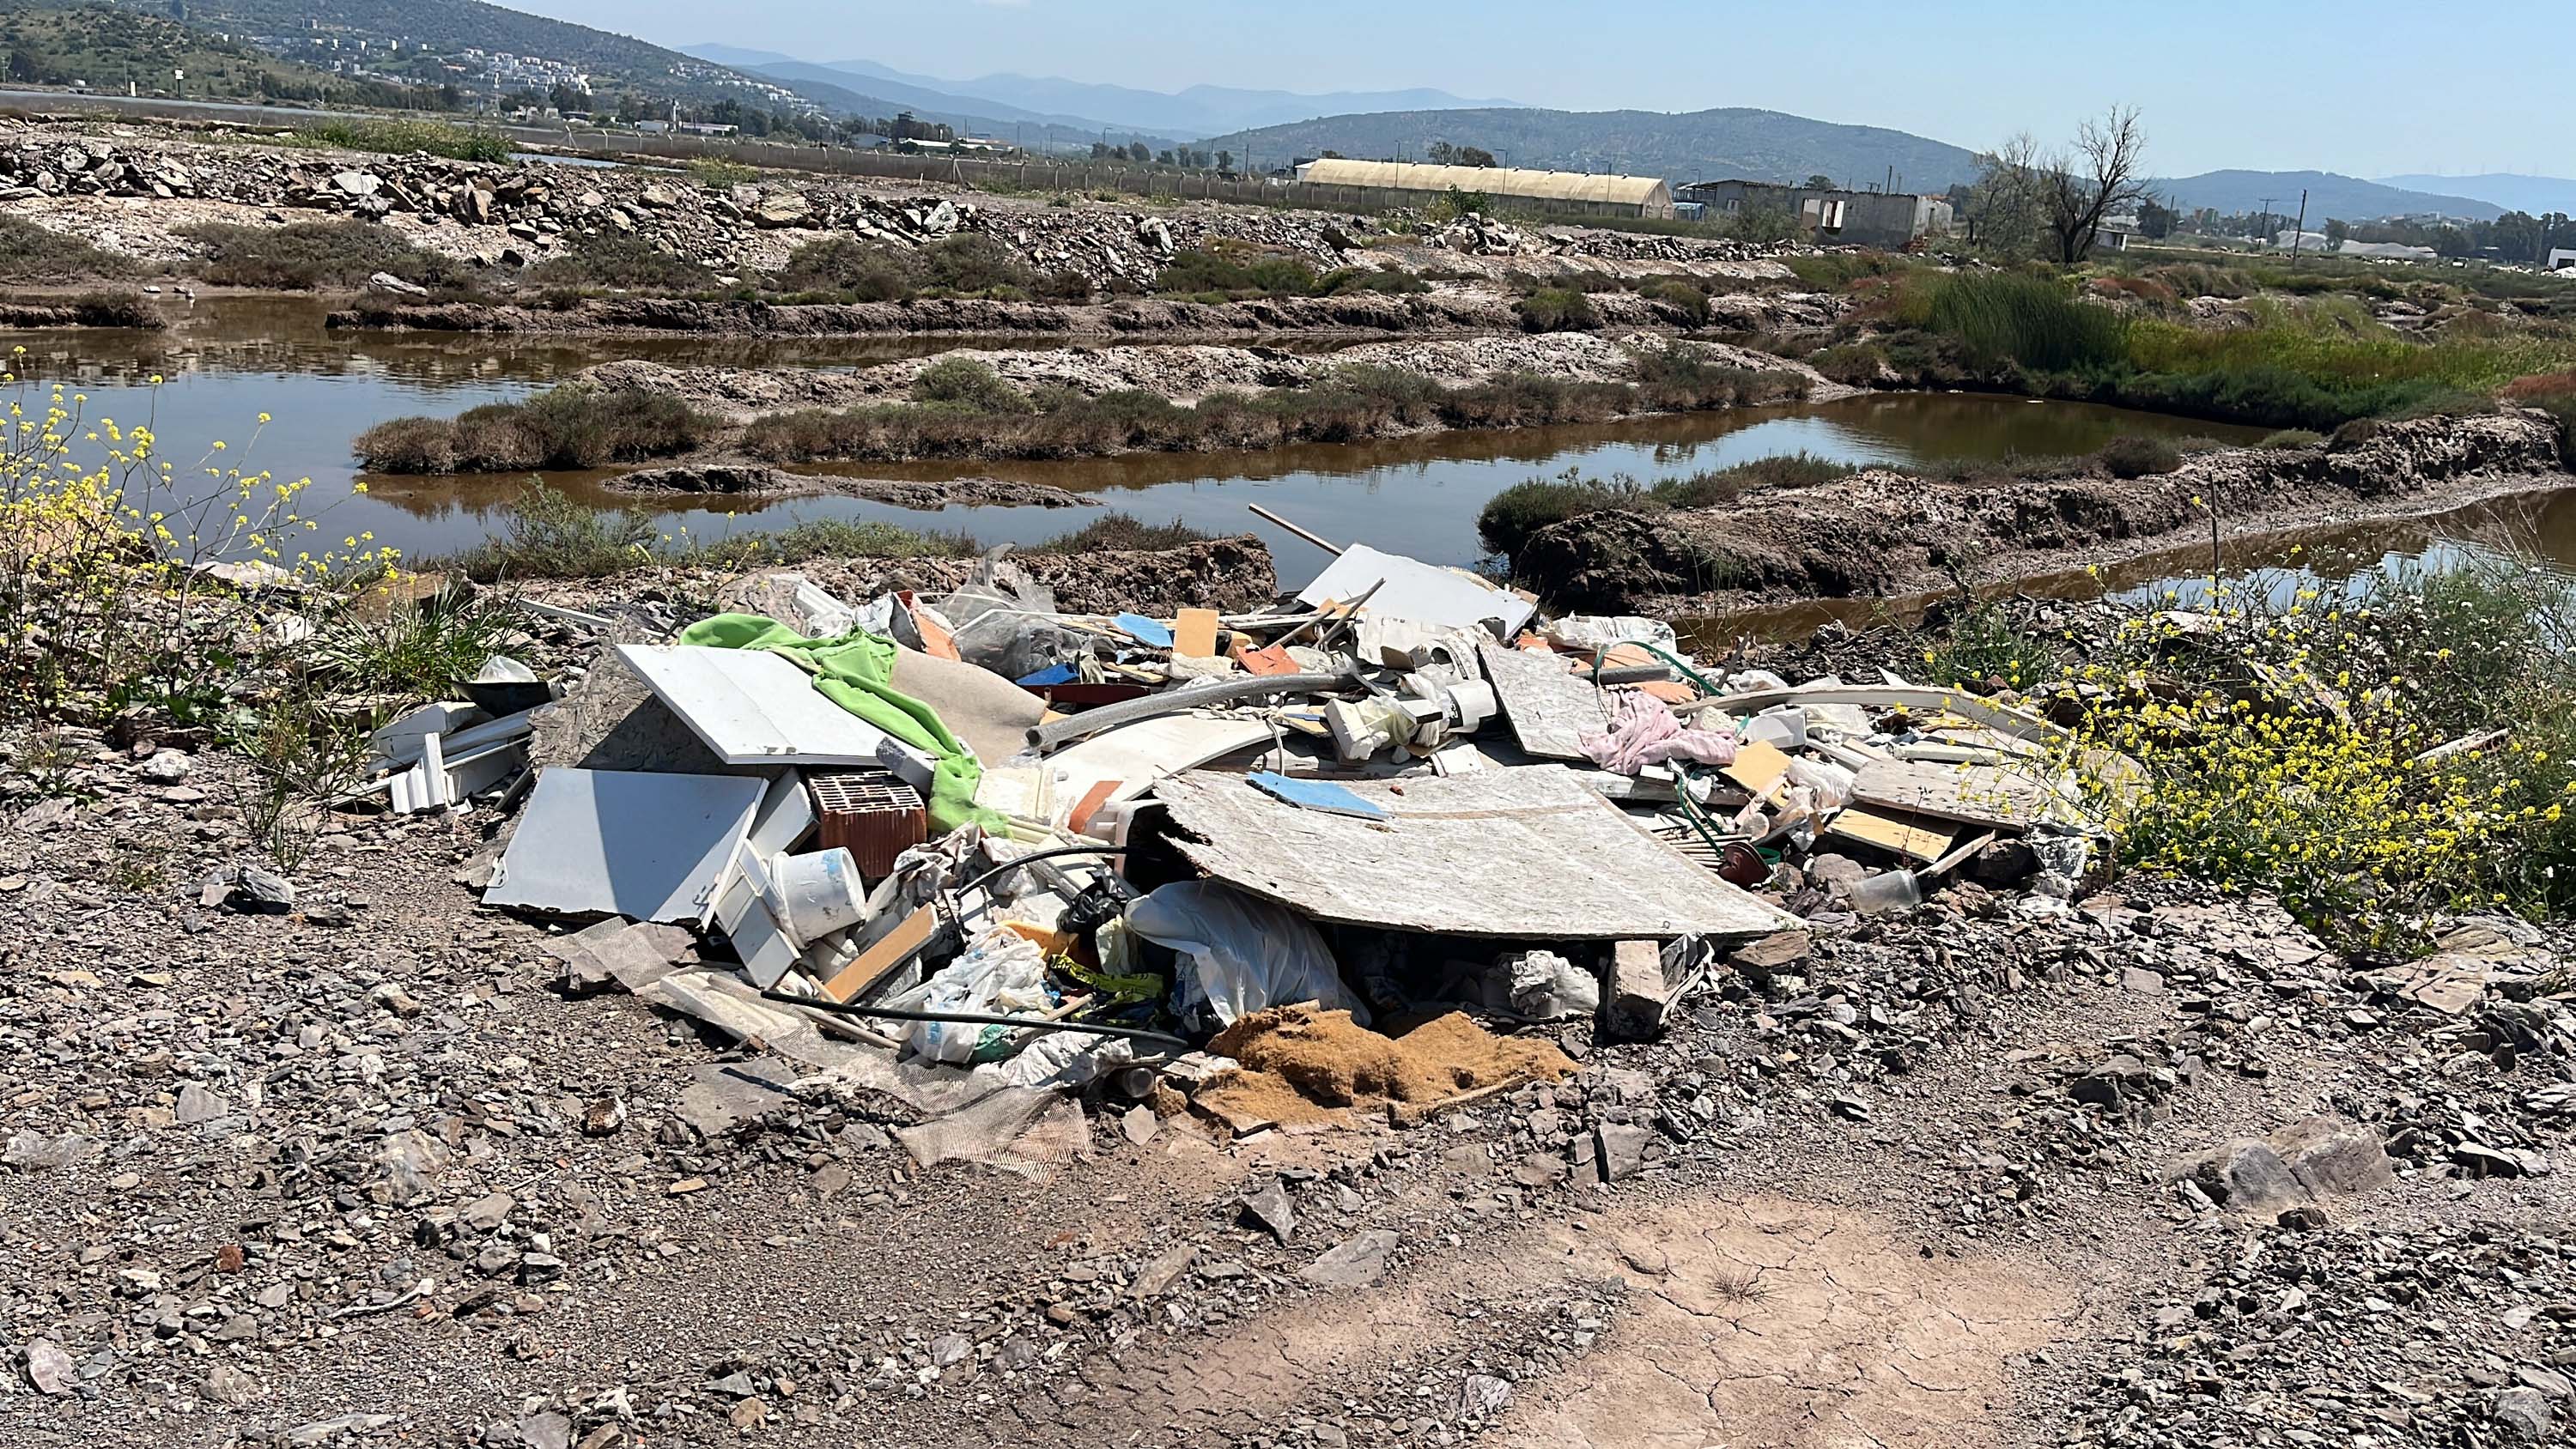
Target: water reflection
(227, 359)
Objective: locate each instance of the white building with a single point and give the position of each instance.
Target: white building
(2561, 258)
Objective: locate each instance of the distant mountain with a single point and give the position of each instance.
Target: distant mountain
(2342, 198)
(1691, 146)
(1190, 114)
(2535, 195)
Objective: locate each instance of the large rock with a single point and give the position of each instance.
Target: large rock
(2317, 1157)
(784, 208)
(1633, 1008)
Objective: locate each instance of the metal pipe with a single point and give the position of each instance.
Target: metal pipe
(1292, 528)
(1057, 733)
(975, 1018)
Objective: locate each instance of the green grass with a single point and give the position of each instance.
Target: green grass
(545, 534)
(837, 538)
(1556, 309)
(622, 263)
(419, 651)
(393, 137)
(37, 255)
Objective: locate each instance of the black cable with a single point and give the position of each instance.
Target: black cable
(1008, 866)
(976, 1018)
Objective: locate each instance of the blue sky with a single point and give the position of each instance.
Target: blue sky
(2363, 87)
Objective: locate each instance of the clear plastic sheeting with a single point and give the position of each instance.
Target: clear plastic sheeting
(1003, 973)
(1246, 954)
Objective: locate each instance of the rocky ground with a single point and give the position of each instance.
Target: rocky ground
(1879, 533)
(133, 191)
(343, 1158)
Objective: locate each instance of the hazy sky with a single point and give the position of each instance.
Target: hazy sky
(2363, 87)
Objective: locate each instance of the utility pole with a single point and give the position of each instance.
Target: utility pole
(2300, 234)
(2263, 222)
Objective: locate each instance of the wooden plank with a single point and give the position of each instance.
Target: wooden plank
(1979, 794)
(1548, 709)
(880, 959)
(1759, 767)
(1908, 838)
(1194, 633)
(1519, 853)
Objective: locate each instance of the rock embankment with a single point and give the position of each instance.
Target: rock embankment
(1882, 533)
(110, 189)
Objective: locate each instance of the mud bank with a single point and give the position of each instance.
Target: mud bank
(1881, 533)
(758, 481)
(1446, 310)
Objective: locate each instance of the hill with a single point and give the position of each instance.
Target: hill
(1190, 114)
(2534, 195)
(1689, 146)
(2344, 198)
(88, 42)
(420, 39)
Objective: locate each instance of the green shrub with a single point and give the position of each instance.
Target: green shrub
(546, 534)
(1228, 273)
(622, 262)
(573, 426)
(416, 650)
(1854, 364)
(117, 308)
(1717, 486)
(2138, 456)
(1116, 531)
(32, 254)
(1682, 296)
(835, 538)
(1555, 309)
(308, 256)
(1511, 516)
(971, 262)
(855, 270)
(966, 383)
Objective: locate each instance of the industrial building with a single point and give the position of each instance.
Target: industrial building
(1405, 182)
(1893, 219)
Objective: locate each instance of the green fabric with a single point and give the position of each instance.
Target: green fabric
(856, 672)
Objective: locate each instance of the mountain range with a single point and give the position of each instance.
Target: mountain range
(2537, 195)
(2345, 198)
(1191, 114)
(1689, 146)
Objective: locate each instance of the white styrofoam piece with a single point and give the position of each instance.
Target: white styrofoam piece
(399, 742)
(1137, 756)
(1421, 592)
(754, 708)
(649, 847)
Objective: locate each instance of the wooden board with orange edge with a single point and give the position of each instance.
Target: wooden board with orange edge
(1194, 633)
(887, 952)
(1913, 839)
(1759, 767)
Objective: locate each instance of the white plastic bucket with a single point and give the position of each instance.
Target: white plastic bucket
(822, 893)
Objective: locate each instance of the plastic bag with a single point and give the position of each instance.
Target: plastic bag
(1245, 954)
(1587, 632)
(1544, 986)
(1002, 973)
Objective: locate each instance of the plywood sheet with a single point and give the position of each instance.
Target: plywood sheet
(1548, 709)
(1416, 590)
(1525, 853)
(1983, 794)
(611, 842)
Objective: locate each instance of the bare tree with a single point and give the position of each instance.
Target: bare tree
(2002, 209)
(2099, 176)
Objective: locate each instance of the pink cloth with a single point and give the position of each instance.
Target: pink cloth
(1644, 731)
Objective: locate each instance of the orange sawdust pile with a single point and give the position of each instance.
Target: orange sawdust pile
(1330, 1061)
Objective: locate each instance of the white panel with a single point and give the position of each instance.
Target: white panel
(1416, 590)
(614, 842)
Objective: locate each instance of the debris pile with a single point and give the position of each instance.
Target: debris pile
(973, 851)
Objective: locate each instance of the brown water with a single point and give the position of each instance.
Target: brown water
(227, 359)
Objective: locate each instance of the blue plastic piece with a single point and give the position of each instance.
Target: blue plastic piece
(1148, 631)
(1052, 674)
(1322, 795)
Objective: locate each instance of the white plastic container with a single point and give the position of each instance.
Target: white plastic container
(822, 893)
